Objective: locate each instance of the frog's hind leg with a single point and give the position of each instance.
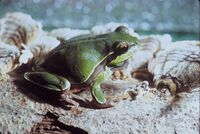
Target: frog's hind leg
(99, 100)
(48, 81)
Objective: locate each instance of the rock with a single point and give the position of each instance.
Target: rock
(178, 67)
(18, 113)
(8, 57)
(149, 114)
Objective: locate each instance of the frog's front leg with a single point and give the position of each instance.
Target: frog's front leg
(48, 81)
(99, 100)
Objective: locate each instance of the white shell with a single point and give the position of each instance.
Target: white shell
(147, 48)
(18, 29)
(37, 51)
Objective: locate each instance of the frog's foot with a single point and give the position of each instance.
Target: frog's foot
(69, 98)
(97, 105)
(48, 81)
(120, 74)
(98, 100)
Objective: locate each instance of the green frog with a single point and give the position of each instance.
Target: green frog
(84, 61)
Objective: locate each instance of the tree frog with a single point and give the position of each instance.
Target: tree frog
(84, 61)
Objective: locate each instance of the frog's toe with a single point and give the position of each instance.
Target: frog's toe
(99, 101)
(97, 105)
(98, 95)
(47, 80)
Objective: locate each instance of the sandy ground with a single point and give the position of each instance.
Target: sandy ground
(147, 114)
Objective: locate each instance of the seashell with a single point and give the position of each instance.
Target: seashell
(177, 68)
(39, 50)
(44, 44)
(8, 58)
(148, 47)
(138, 63)
(18, 29)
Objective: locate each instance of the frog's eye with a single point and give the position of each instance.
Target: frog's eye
(118, 46)
(122, 29)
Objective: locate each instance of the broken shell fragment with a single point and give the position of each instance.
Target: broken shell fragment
(18, 29)
(138, 63)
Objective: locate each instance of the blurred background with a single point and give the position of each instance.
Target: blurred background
(180, 18)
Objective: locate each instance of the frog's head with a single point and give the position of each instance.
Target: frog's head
(122, 34)
(123, 44)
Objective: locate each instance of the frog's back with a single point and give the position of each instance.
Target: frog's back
(78, 57)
